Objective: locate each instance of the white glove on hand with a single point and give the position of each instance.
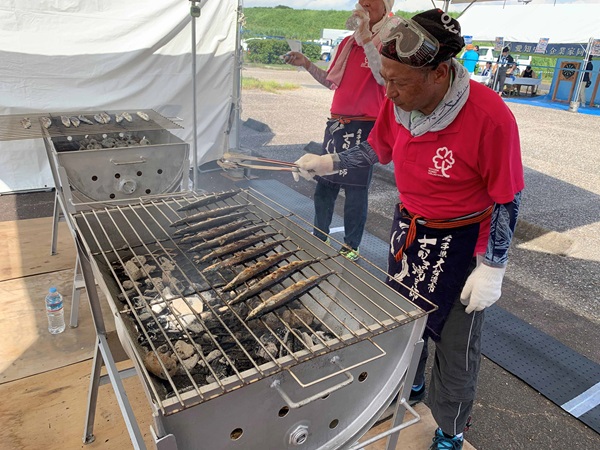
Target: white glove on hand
(310, 165)
(483, 287)
(362, 34)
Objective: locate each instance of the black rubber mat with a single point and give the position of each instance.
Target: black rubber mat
(562, 375)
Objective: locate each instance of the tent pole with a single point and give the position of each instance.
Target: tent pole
(194, 12)
(574, 104)
(234, 142)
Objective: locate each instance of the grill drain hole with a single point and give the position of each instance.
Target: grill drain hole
(112, 195)
(236, 434)
(334, 423)
(139, 173)
(363, 376)
(117, 175)
(159, 171)
(148, 191)
(284, 411)
(94, 178)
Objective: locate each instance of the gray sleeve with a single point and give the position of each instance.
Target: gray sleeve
(502, 229)
(362, 155)
(319, 74)
(374, 59)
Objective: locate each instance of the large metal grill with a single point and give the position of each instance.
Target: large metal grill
(190, 345)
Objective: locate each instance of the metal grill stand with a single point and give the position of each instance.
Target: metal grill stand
(377, 337)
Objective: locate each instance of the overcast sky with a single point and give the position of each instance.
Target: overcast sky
(404, 5)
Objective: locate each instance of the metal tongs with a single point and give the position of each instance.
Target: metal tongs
(237, 160)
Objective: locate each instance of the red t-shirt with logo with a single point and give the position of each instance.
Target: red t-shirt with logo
(465, 168)
(358, 93)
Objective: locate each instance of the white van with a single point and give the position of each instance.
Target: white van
(489, 54)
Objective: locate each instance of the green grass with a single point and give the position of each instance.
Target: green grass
(267, 86)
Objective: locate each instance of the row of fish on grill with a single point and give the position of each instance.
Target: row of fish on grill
(230, 239)
(75, 121)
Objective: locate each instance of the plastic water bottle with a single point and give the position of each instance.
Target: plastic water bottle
(353, 22)
(55, 311)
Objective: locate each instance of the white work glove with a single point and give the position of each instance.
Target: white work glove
(483, 288)
(363, 33)
(310, 165)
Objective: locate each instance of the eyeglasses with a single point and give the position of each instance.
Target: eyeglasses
(415, 46)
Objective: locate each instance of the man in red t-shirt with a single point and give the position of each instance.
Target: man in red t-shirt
(354, 74)
(457, 162)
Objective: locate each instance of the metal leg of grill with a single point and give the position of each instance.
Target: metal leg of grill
(103, 355)
(78, 285)
(55, 219)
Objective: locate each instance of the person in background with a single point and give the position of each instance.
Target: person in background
(586, 82)
(503, 67)
(354, 74)
(487, 72)
(527, 73)
(470, 58)
(457, 164)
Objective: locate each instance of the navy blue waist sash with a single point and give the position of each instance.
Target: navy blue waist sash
(434, 266)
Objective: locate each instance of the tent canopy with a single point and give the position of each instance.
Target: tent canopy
(566, 23)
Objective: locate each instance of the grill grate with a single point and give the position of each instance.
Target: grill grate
(135, 242)
(11, 126)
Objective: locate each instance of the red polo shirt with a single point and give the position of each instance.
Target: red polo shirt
(465, 168)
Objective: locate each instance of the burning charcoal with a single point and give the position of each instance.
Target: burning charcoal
(133, 270)
(158, 308)
(151, 361)
(307, 339)
(269, 351)
(190, 322)
(155, 283)
(189, 363)
(296, 318)
(191, 304)
(166, 264)
(144, 315)
(130, 285)
(184, 350)
(213, 355)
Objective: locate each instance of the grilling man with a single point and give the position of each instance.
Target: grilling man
(457, 162)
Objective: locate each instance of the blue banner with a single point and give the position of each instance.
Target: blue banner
(551, 49)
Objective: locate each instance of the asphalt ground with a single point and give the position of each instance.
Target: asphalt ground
(553, 278)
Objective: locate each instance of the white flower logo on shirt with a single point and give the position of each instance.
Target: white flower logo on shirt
(442, 162)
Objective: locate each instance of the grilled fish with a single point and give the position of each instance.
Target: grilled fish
(218, 231)
(127, 116)
(46, 122)
(118, 118)
(142, 115)
(236, 246)
(257, 269)
(98, 118)
(105, 117)
(75, 121)
(65, 121)
(226, 238)
(287, 295)
(198, 217)
(207, 224)
(84, 119)
(26, 122)
(273, 278)
(244, 256)
(212, 198)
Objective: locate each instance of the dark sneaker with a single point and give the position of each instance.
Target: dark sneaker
(349, 252)
(441, 442)
(416, 395)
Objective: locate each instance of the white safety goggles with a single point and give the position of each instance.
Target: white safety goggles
(415, 46)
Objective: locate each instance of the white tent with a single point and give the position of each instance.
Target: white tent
(67, 55)
(565, 23)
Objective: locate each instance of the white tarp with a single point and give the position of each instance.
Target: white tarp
(68, 55)
(564, 23)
